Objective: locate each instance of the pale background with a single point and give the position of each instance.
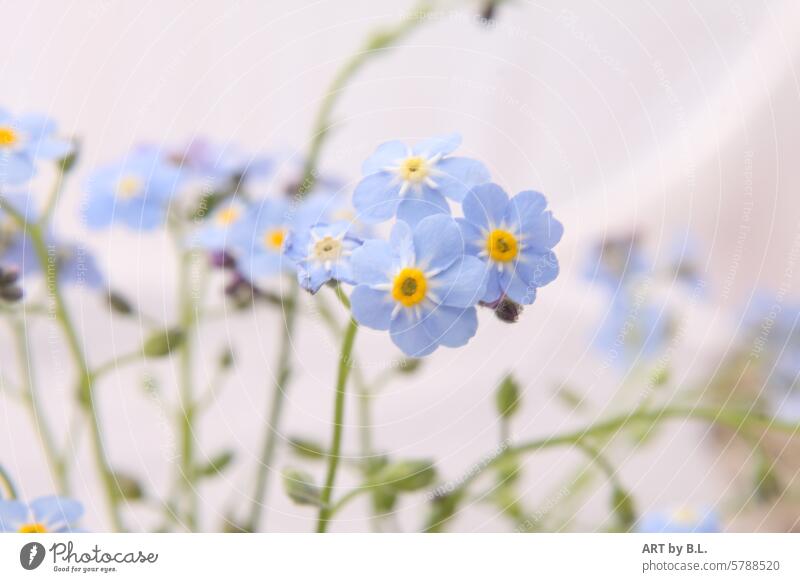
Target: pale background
(648, 115)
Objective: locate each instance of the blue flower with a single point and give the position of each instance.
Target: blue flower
(415, 182)
(24, 140)
(328, 206)
(227, 221)
(322, 254)
(514, 237)
(75, 263)
(616, 260)
(680, 520)
(49, 514)
(633, 328)
(224, 165)
(136, 192)
(420, 286)
(259, 245)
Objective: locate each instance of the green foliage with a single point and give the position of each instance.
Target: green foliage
(300, 487)
(507, 397)
(162, 343)
(216, 464)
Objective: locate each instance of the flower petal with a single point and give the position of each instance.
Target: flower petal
(373, 262)
(415, 207)
(494, 289)
(402, 241)
(408, 333)
(463, 284)
(53, 510)
(438, 243)
(12, 515)
(517, 289)
(99, 211)
(485, 205)
(537, 268)
(15, 169)
(376, 197)
(386, 155)
(442, 145)
(312, 277)
(459, 176)
(451, 326)
(527, 210)
(371, 308)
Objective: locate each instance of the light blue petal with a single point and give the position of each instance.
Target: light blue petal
(13, 514)
(459, 176)
(442, 145)
(263, 264)
(494, 289)
(52, 149)
(312, 277)
(537, 268)
(474, 240)
(373, 262)
(53, 510)
(463, 284)
(142, 214)
(375, 198)
(15, 169)
(518, 290)
(371, 308)
(415, 207)
(541, 230)
(99, 212)
(408, 333)
(402, 241)
(386, 155)
(452, 327)
(438, 242)
(485, 205)
(36, 125)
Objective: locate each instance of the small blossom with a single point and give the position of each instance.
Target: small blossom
(135, 191)
(420, 286)
(616, 260)
(322, 253)
(680, 520)
(224, 165)
(227, 220)
(259, 245)
(415, 182)
(24, 140)
(49, 514)
(514, 238)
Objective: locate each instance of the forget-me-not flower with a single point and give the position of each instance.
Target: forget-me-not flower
(49, 514)
(419, 285)
(224, 165)
(259, 245)
(415, 182)
(680, 520)
(322, 253)
(135, 191)
(225, 222)
(514, 238)
(25, 139)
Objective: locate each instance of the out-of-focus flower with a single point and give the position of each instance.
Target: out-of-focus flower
(328, 207)
(684, 261)
(414, 182)
(322, 253)
(420, 286)
(616, 260)
(514, 237)
(680, 520)
(75, 263)
(135, 191)
(226, 222)
(633, 327)
(49, 514)
(224, 165)
(24, 139)
(259, 244)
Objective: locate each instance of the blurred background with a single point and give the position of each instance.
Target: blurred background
(667, 121)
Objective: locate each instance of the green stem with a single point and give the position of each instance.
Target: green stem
(85, 392)
(8, 484)
(345, 364)
(275, 412)
(115, 363)
(33, 403)
(378, 41)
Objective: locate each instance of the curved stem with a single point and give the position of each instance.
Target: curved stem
(275, 412)
(31, 398)
(345, 364)
(8, 484)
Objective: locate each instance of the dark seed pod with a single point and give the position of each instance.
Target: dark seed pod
(508, 310)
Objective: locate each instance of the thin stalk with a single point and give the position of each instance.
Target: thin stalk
(275, 412)
(33, 404)
(345, 364)
(8, 484)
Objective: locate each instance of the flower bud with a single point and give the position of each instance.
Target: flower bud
(162, 343)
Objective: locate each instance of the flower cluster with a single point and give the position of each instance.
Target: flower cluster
(49, 514)
(25, 139)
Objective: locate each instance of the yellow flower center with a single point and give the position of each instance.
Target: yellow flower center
(409, 286)
(328, 249)
(33, 528)
(414, 169)
(502, 246)
(129, 187)
(273, 239)
(228, 216)
(8, 137)
(685, 516)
